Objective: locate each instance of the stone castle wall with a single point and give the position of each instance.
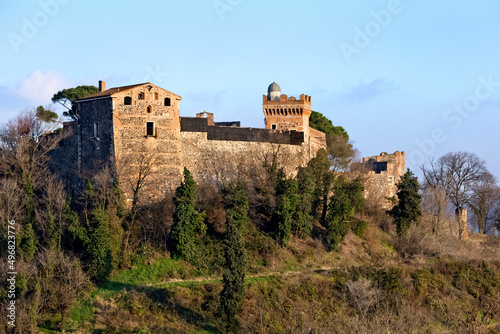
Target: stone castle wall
(223, 161)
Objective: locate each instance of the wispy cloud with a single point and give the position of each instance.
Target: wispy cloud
(39, 87)
(367, 90)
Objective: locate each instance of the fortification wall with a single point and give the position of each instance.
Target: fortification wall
(221, 161)
(317, 141)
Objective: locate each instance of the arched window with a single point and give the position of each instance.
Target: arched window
(127, 101)
(149, 109)
(286, 112)
(141, 96)
(156, 96)
(301, 111)
(274, 112)
(167, 102)
(281, 112)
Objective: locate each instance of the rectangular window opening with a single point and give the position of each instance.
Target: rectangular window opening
(150, 129)
(96, 130)
(273, 126)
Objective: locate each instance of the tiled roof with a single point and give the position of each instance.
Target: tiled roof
(111, 91)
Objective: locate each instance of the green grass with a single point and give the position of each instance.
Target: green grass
(386, 245)
(159, 271)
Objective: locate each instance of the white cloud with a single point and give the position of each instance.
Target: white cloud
(363, 90)
(39, 87)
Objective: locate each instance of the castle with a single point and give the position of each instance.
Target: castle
(129, 127)
(137, 130)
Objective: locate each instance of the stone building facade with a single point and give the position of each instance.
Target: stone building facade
(137, 129)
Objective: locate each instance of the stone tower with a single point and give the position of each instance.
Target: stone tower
(286, 113)
(125, 126)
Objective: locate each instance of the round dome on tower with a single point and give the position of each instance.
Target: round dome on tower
(274, 87)
(273, 92)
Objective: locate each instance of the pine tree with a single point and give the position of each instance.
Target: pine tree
(187, 221)
(408, 208)
(233, 292)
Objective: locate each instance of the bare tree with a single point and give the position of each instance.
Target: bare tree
(136, 172)
(434, 196)
(456, 172)
(25, 143)
(484, 199)
(61, 281)
(11, 201)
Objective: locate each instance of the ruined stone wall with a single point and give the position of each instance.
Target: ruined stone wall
(383, 172)
(222, 161)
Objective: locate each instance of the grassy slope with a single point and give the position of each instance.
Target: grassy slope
(365, 287)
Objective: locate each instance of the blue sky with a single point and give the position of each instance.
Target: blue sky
(418, 76)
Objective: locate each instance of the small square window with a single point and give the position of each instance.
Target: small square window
(273, 126)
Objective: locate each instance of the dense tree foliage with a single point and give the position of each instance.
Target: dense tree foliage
(408, 207)
(340, 151)
(67, 96)
(319, 122)
(188, 222)
(233, 291)
(46, 115)
(95, 237)
(347, 198)
(286, 207)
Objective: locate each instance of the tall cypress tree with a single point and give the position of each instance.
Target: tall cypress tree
(187, 221)
(286, 207)
(408, 208)
(233, 292)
